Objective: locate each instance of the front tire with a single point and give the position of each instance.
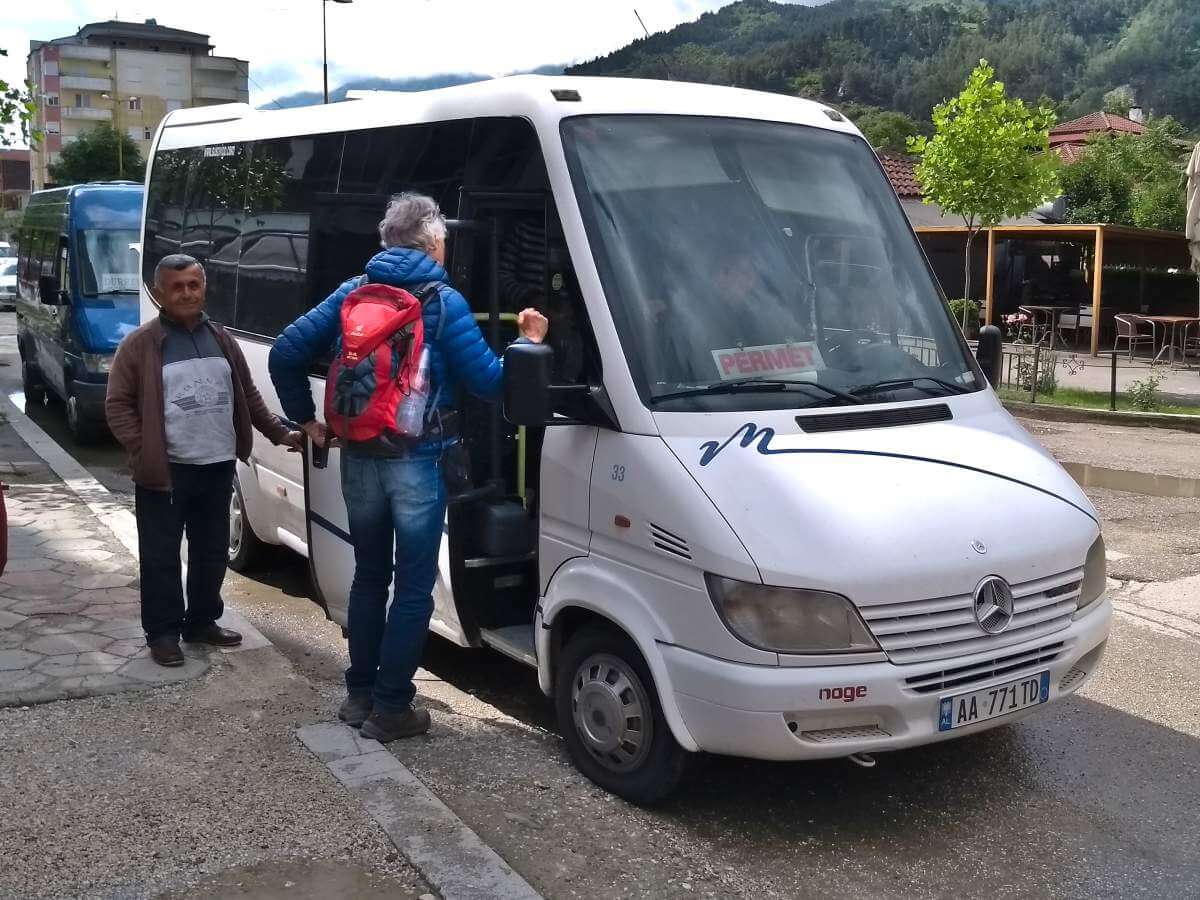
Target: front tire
(31, 383)
(83, 430)
(245, 548)
(611, 718)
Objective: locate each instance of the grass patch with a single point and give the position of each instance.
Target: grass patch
(1091, 400)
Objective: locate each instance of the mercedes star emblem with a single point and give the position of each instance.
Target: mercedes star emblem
(993, 604)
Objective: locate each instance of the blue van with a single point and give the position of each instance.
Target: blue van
(77, 294)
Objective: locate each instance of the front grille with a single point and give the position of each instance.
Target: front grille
(920, 631)
(965, 676)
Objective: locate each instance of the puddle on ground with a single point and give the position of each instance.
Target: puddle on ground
(1133, 482)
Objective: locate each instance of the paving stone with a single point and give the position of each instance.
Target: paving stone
(73, 544)
(77, 665)
(91, 568)
(51, 606)
(91, 684)
(30, 579)
(17, 659)
(111, 596)
(19, 680)
(9, 619)
(99, 581)
(129, 648)
(30, 564)
(69, 643)
(124, 631)
(81, 555)
(63, 624)
(146, 670)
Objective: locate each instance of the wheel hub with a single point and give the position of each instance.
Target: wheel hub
(611, 712)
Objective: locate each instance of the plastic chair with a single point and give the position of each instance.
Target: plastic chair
(1130, 328)
(1075, 324)
(1030, 325)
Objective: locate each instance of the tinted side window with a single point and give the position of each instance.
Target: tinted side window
(165, 200)
(212, 220)
(429, 158)
(506, 156)
(287, 179)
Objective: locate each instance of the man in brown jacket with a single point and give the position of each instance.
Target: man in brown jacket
(182, 402)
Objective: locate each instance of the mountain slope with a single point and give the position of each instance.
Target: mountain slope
(908, 55)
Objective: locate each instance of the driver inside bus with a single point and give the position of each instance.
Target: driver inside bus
(395, 495)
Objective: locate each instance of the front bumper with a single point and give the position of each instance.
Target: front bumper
(764, 712)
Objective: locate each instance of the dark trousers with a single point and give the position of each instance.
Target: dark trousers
(197, 506)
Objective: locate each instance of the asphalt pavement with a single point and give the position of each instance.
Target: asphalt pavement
(1096, 796)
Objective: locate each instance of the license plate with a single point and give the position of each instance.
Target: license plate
(990, 703)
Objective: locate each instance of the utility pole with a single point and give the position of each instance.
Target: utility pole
(325, 50)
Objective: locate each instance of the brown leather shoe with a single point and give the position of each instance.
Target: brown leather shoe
(215, 635)
(390, 726)
(165, 651)
(355, 709)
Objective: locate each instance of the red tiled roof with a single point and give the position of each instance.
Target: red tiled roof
(901, 172)
(1070, 153)
(1077, 130)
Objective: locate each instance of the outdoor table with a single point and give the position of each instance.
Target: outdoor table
(1169, 345)
(1052, 314)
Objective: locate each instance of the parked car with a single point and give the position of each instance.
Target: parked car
(77, 294)
(8, 282)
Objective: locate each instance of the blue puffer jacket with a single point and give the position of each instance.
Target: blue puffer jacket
(460, 356)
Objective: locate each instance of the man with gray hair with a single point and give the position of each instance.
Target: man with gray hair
(395, 495)
(182, 403)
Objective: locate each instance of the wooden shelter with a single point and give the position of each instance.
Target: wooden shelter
(1119, 247)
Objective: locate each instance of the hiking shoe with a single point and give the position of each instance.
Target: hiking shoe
(355, 709)
(215, 635)
(390, 726)
(165, 651)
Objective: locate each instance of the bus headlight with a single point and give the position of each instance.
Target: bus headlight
(789, 620)
(97, 363)
(1095, 576)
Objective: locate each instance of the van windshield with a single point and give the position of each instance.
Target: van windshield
(759, 265)
(106, 264)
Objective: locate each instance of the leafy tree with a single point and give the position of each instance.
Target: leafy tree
(989, 158)
(16, 108)
(93, 156)
(884, 128)
(1130, 179)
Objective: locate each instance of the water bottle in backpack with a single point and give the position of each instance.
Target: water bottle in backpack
(410, 414)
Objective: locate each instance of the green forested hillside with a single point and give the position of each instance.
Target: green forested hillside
(907, 55)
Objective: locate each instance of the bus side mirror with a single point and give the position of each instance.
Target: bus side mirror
(527, 369)
(48, 290)
(990, 352)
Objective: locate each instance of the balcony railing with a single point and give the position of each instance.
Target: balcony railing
(68, 51)
(84, 83)
(91, 113)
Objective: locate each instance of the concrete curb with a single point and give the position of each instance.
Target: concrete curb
(447, 853)
(1049, 413)
(119, 520)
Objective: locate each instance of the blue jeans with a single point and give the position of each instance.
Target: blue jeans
(396, 508)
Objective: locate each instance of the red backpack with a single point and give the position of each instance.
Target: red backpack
(381, 339)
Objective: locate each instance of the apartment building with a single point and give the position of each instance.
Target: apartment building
(128, 74)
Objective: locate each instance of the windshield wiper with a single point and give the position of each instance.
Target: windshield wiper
(110, 293)
(949, 386)
(751, 385)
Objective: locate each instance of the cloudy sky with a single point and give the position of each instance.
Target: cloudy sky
(389, 38)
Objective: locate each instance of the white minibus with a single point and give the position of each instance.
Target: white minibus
(755, 496)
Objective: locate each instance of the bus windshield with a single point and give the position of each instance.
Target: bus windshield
(106, 264)
(758, 265)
